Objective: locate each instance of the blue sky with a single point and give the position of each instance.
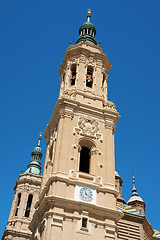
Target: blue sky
(34, 36)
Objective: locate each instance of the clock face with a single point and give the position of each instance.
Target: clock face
(86, 194)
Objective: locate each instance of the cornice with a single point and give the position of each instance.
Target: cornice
(109, 115)
(18, 233)
(80, 49)
(71, 181)
(28, 178)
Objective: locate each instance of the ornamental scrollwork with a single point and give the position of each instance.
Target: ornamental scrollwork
(99, 64)
(82, 60)
(110, 106)
(69, 94)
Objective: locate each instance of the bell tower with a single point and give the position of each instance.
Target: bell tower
(78, 195)
(27, 189)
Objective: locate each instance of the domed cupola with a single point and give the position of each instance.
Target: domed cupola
(87, 31)
(35, 163)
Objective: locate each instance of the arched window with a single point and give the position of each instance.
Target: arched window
(28, 207)
(103, 80)
(73, 74)
(89, 77)
(84, 160)
(18, 203)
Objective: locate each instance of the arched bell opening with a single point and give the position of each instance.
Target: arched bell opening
(28, 206)
(73, 74)
(18, 203)
(89, 77)
(85, 155)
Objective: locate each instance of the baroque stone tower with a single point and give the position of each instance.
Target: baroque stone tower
(78, 194)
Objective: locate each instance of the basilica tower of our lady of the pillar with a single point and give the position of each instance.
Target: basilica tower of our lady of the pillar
(78, 194)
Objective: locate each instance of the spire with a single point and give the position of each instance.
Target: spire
(134, 197)
(35, 163)
(134, 190)
(89, 15)
(39, 140)
(87, 31)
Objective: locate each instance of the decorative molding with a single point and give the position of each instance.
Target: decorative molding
(99, 64)
(95, 151)
(98, 180)
(82, 60)
(73, 174)
(57, 221)
(69, 94)
(77, 146)
(110, 125)
(66, 115)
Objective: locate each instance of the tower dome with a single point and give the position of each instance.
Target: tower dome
(35, 163)
(87, 31)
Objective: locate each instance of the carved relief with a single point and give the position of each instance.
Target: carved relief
(110, 125)
(98, 180)
(94, 152)
(52, 137)
(66, 115)
(73, 174)
(66, 66)
(82, 60)
(99, 64)
(91, 61)
(50, 142)
(88, 127)
(69, 94)
(110, 106)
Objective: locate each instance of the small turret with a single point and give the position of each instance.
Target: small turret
(35, 163)
(135, 200)
(27, 190)
(87, 31)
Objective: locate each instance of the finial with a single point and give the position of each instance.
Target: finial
(134, 190)
(39, 140)
(88, 15)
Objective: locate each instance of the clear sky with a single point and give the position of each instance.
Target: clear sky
(34, 36)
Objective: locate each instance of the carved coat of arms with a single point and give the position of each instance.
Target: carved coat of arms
(88, 126)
